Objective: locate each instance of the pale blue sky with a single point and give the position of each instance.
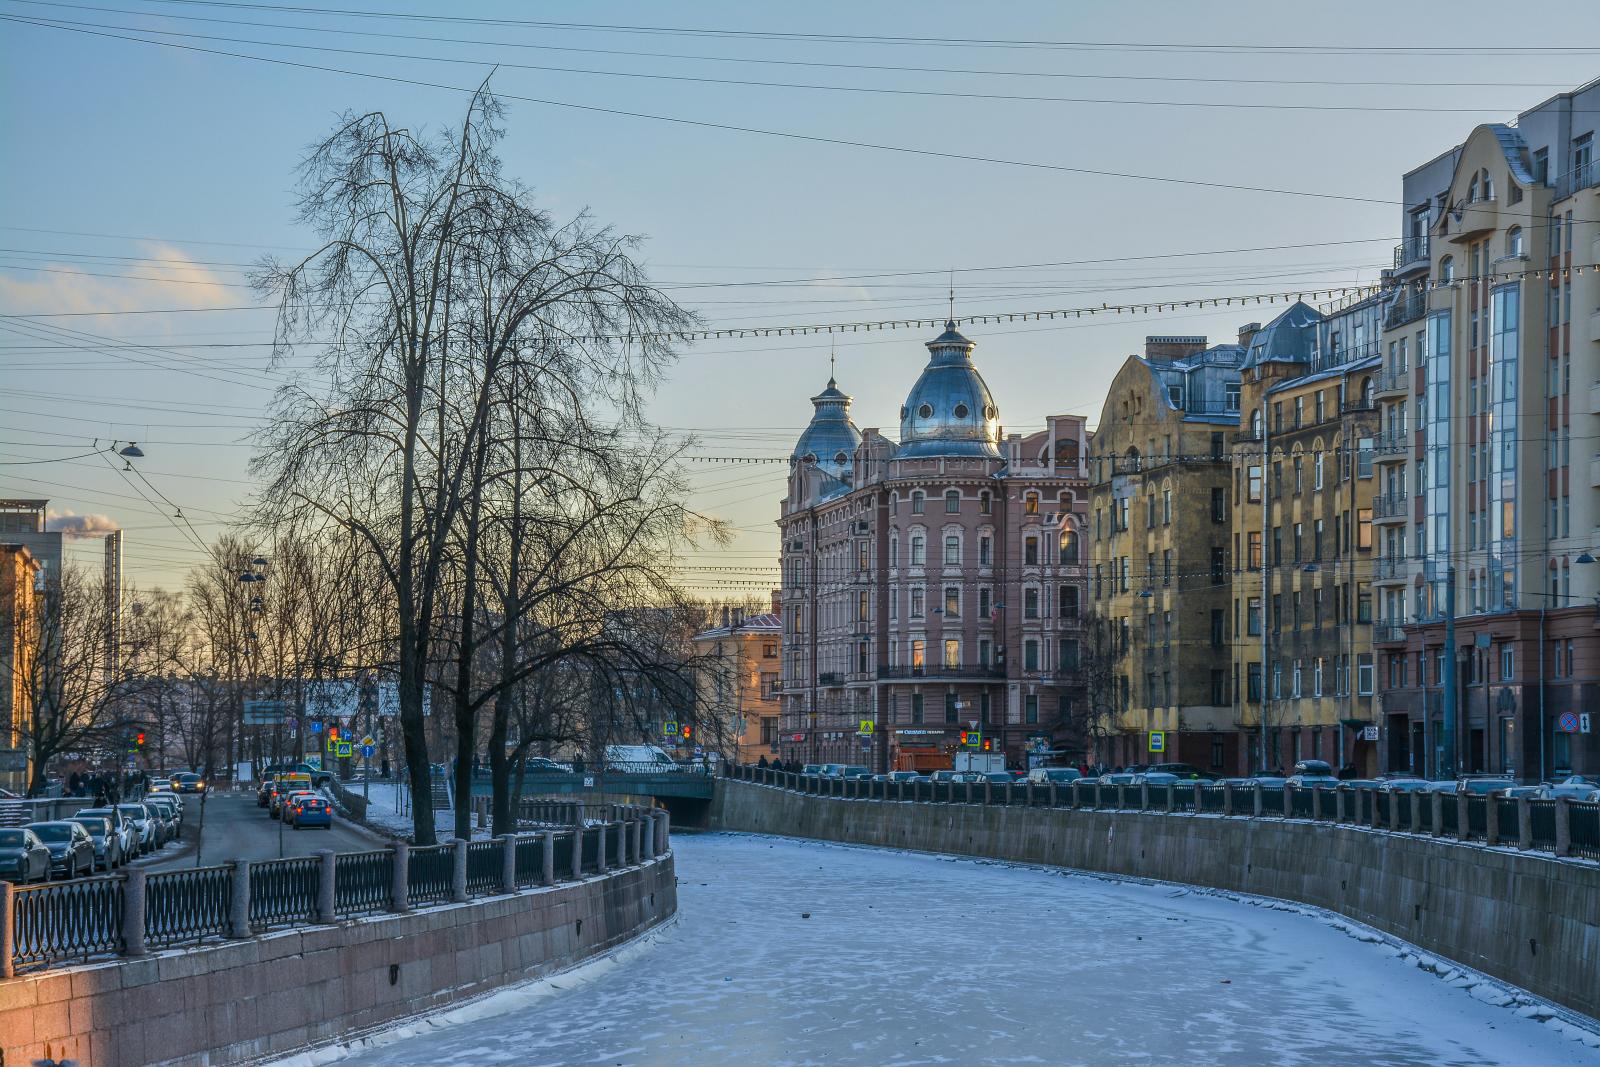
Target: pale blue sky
(112, 137)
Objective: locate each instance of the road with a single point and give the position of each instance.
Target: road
(235, 829)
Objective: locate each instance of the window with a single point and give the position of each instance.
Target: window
(917, 602)
(983, 603)
(1067, 653)
(1068, 602)
(985, 550)
(863, 607)
(918, 550)
(952, 550)
(984, 502)
(1254, 494)
(952, 501)
(1030, 708)
(1219, 504)
(1030, 503)
(1030, 551)
(1030, 655)
(863, 555)
(1166, 507)
(1253, 550)
(1514, 241)
(916, 708)
(1030, 603)
(769, 651)
(1069, 546)
(1447, 269)
(1316, 471)
(916, 501)
(952, 601)
(1364, 674)
(1219, 688)
(1508, 662)
(1230, 398)
(861, 657)
(952, 653)
(1166, 566)
(983, 652)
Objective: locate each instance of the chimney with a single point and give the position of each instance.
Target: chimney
(777, 602)
(724, 616)
(1247, 333)
(1165, 348)
(738, 616)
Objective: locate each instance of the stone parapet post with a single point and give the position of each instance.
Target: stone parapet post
(1563, 826)
(8, 926)
(327, 892)
(458, 870)
(1524, 824)
(1437, 802)
(133, 908)
(239, 901)
(1258, 801)
(547, 856)
(508, 862)
(1463, 814)
(400, 890)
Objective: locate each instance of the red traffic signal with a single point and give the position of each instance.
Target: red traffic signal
(333, 733)
(687, 731)
(139, 738)
(963, 737)
(988, 744)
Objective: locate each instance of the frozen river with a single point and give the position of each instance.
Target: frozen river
(911, 959)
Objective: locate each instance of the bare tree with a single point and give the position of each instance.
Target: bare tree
(437, 283)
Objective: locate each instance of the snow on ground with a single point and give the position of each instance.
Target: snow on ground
(793, 952)
(389, 809)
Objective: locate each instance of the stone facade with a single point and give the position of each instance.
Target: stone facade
(740, 676)
(932, 586)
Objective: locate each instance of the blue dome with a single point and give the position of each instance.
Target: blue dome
(829, 442)
(949, 412)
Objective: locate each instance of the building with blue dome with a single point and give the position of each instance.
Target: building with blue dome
(931, 584)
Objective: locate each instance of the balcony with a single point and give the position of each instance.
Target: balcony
(1391, 507)
(1474, 218)
(1411, 256)
(1388, 570)
(1393, 383)
(938, 670)
(1126, 465)
(1392, 446)
(1578, 179)
(829, 678)
(1388, 632)
(1406, 308)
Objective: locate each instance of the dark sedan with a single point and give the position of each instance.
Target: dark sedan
(23, 857)
(188, 782)
(107, 842)
(71, 847)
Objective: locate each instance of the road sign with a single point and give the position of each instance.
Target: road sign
(1584, 723)
(263, 712)
(1158, 740)
(1568, 723)
(315, 726)
(669, 729)
(343, 751)
(368, 741)
(866, 727)
(972, 738)
(797, 737)
(1369, 733)
(367, 751)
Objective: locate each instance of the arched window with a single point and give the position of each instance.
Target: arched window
(1255, 424)
(1069, 545)
(1488, 186)
(894, 551)
(894, 502)
(1366, 392)
(1030, 502)
(952, 501)
(1472, 189)
(1447, 269)
(1514, 241)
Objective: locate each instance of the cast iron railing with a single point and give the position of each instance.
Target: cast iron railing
(287, 891)
(485, 867)
(363, 882)
(432, 872)
(187, 905)
(68, 920)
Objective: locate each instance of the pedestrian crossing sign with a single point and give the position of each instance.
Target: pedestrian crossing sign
(1158, 740)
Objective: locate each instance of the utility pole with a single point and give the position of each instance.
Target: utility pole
(1447, 757)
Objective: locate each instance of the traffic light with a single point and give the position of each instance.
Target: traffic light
(139, 739)
(687, 731)
(333, 732)
(963, 737)
(988, 744)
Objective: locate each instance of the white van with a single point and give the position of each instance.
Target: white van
(639, 759)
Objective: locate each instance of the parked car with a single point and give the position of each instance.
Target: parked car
(1440, 787)
(944, 775)
(1155, 779)
(23, 857)
(121, 825)
(901, 776)
(1311, 773)
(1532, 792)
(1179, 770)
(303, 809)
(171, 813)
(1117, 778)
(1361, 783)
(1058, 775)
(188, 782)
(812, 769)
(1483, 784)
(546, 765)
(996, 777)
(71, 848)
(143, 825)
(107, 842)
(640, 759)
(1406, 785)
(1578, 787)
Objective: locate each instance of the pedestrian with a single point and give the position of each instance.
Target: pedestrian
(762, 763)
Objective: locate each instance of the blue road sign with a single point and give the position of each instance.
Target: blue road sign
(367, 751)
(316, 726)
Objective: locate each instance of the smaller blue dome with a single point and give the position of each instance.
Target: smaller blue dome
(949, 411)
(829, 442)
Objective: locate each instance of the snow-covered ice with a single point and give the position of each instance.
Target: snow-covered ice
(913, 959)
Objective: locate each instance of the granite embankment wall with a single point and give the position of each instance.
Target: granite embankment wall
(1527, 918)
(244, 1000)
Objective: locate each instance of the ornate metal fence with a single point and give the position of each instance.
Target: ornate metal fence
(1542, 819)
(432, 870)
(187, 905)
(1585, 824)
(283, 892)
(69, 920)
(485, 866)
(530, 860)
(363, 882)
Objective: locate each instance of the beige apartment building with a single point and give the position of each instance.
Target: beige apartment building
(1490, 398)
(739, 680)
(1160, 480)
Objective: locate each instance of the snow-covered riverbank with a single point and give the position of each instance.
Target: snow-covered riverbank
(795, 952)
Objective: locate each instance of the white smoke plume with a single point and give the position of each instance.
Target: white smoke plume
(72, 525)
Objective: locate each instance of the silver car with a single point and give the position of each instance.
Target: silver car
(144, 824)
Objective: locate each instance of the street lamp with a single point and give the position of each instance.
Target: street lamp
(131, 451)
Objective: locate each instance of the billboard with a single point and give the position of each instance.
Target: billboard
(339, 699)
(389, 700)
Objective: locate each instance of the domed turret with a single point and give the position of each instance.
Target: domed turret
(949, 411)
(829, 443)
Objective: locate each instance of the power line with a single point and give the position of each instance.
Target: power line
(820, 64)
(751, 83)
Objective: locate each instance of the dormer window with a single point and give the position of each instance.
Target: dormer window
(841, 458)
(962, 411)
(809, 458)
(925, 412)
